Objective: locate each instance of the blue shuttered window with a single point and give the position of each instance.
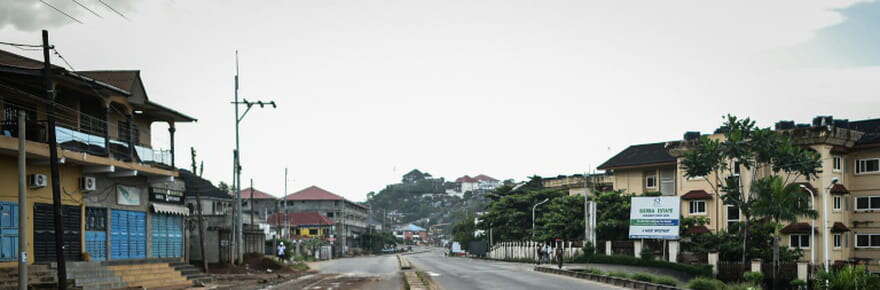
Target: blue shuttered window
(167, 236)
(128, 234)
(8, 231)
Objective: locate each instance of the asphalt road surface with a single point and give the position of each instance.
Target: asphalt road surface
(383, 271)
(453, 273)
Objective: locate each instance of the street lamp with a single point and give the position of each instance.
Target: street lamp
(236, 176)
(533, 214)
(812, 225)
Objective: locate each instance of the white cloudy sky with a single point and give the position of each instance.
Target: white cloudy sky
(368, 90)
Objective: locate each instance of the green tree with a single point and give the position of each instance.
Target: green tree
(376, 241)
(612, 215)
(745, 148)
(223, 186)
(510, 216)
(780, 203)
(563, 219)
(463, 231)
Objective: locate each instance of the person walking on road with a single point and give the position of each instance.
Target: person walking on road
(540, 255)
(282, 252)
(559, 256)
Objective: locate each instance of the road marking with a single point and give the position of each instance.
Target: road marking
(432, 274)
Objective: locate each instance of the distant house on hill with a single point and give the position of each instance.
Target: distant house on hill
(478, 184)
(411, 232)
(415, 175)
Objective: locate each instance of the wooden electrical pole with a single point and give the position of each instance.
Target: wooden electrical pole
(200, 218)
(53, 165)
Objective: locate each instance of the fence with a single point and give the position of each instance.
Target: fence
(528, 250)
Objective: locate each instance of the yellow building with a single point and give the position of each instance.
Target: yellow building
(307, 225)
(107, 162)
(850, 154)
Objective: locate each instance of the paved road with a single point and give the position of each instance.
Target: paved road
(384, 271)
(465, 274)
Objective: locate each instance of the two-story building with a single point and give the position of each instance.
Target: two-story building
(848, 182)
(304, 225)
(118, 190)
(350, 218)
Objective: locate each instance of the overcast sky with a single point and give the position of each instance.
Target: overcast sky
(368, 90)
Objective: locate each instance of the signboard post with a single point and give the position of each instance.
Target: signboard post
(656, 217)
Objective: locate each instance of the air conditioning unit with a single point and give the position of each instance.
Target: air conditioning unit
(87, 183)
(37, 181)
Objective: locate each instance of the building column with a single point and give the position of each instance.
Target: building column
(713, 260)
(637, 248)
(673, 251)
(756, 265)
(171, 131)
(608, 250)
(107, 130)
(131, 151)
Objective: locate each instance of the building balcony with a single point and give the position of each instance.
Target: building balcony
(86, 146)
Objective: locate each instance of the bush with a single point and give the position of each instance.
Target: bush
(703, 283)
(798, 283)
(594, 271)
(619, 274)
(756, 278)
(665, 280)
(695, 270)
(648, 254)
(849, 277)
(643, 277)
(741, 286)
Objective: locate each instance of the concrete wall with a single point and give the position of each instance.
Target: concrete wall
(70, 174)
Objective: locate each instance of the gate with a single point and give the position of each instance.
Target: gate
(128, 235)
(44, 232)
(167, 236)
(96, 233)
(8, 231)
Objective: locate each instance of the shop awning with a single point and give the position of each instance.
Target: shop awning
(170, 209)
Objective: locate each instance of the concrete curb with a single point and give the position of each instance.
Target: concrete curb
(404, 263)
(623, 282)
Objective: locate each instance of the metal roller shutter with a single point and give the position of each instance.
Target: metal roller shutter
(44, 232)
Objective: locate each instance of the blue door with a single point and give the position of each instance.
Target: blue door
(167, 236)
(128, 234)
(8, 231)
(96, 233)
(96, 245)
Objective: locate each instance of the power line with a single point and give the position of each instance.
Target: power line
(21, 44)
(62, 12)
(111, 9)
(87, 8)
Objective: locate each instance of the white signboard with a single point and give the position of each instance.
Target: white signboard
(656, 217)
(128, 195)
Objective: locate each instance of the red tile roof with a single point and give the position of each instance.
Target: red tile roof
(246, 194)
(796, 228)
(839, 189)
(465, 179)
(314, 193)
(483, 177)
(839, 228)
(297, 219)
(697, 194)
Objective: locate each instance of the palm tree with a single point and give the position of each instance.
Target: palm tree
(780, 202)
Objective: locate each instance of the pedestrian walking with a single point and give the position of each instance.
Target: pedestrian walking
(540, 255)
(282, 252)
(559, 256)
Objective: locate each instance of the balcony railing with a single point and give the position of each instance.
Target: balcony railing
(84, 140)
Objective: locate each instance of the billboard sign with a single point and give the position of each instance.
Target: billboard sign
(655, 217)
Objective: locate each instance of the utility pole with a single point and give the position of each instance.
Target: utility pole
(284, 204)
(53, 165)
(252, 201)
(200, 218)
(237, 161)
(22, 202)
